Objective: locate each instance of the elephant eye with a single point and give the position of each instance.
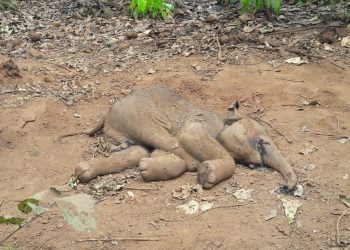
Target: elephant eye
(260, 146)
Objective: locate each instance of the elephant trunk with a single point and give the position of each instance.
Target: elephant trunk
(274, 159)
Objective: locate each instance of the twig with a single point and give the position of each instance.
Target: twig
(219, 51)
(274, 128)
(197, 215)
(302, 53)
(289, 80)
(120, 239)
(62, 67)
(33, 218)
(334, 136)
(338, 231)
(19, 228)
(303, 29)
(140, 188)
(1, 203)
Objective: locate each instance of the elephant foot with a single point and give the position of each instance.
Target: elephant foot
(211, 173)
(161, 168)
(85, 172)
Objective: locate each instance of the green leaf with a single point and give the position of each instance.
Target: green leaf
(276, 6)
(24, 207)
(259, 5)
(245, 5)
(11, 220)
(141, 5)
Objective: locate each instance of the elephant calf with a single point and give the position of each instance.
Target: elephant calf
(175, 136)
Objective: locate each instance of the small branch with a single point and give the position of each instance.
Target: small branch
(140, 188)
(302, 53)
(33, 218)
(120, 239)
(304, 29)
(274, 128)
(289, 80)
(338, 231)
(219, 51)
(203, 212)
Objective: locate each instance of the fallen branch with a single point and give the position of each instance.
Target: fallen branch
(274, 128)
(302, 53)
(219, 51)
(120, 239)
(140, 188)
(289, 80)
(341, 244)
(304, 28)
(203, 212)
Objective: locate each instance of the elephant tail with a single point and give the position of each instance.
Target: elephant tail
(91, 132)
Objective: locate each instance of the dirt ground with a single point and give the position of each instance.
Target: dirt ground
(79, 65)
(31, 161)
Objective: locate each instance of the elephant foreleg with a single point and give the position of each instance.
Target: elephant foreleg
(217, 164)
(161, 166)
(115, 163)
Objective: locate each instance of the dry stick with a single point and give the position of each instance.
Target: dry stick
(289, 80)
(62, 67)
(140, 188)
(304, 28)
(277, 131)
(120, 239)
(298, 52)
(219, 52)
(338, 231)
(197, 215)
(20, 227)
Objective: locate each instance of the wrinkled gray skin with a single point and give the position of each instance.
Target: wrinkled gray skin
(183, 137)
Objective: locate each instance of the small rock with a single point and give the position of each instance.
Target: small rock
(211, 19)
(225, 39)
(345, 41)
(345, 176)
(299, 190)
(35, 53)
(77, 115)
(3, 43)
(35, 37)
(130, 35)
(151, 71)
(59, 225)
(123, 46)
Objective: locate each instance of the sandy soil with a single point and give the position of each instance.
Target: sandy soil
(31, 161)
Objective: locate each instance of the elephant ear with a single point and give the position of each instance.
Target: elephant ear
(232, 115)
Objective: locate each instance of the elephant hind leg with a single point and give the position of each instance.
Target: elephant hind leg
(161, 166)
(115, 163)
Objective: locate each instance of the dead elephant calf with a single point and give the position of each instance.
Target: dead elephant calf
(183, 138)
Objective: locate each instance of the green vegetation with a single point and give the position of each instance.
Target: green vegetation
(152, 7)
(8, 5)
(269, 6)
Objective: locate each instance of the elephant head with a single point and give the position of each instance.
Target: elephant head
(248, 142)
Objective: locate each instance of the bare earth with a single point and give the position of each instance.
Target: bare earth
(31, 161)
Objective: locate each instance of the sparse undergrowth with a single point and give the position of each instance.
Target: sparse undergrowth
(8, 5)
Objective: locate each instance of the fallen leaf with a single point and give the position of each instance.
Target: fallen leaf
(243, 194)
(248, 29)
(299, 190)
(295, 60)
(308, 150)
(291, 208)
(345, 41)
(344, 140)
(345, 199)
(271, 215)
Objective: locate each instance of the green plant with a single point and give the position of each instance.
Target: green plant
(269, 6)
(8, 5)
(153, 7)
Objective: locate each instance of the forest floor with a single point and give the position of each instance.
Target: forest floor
(294, 74)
